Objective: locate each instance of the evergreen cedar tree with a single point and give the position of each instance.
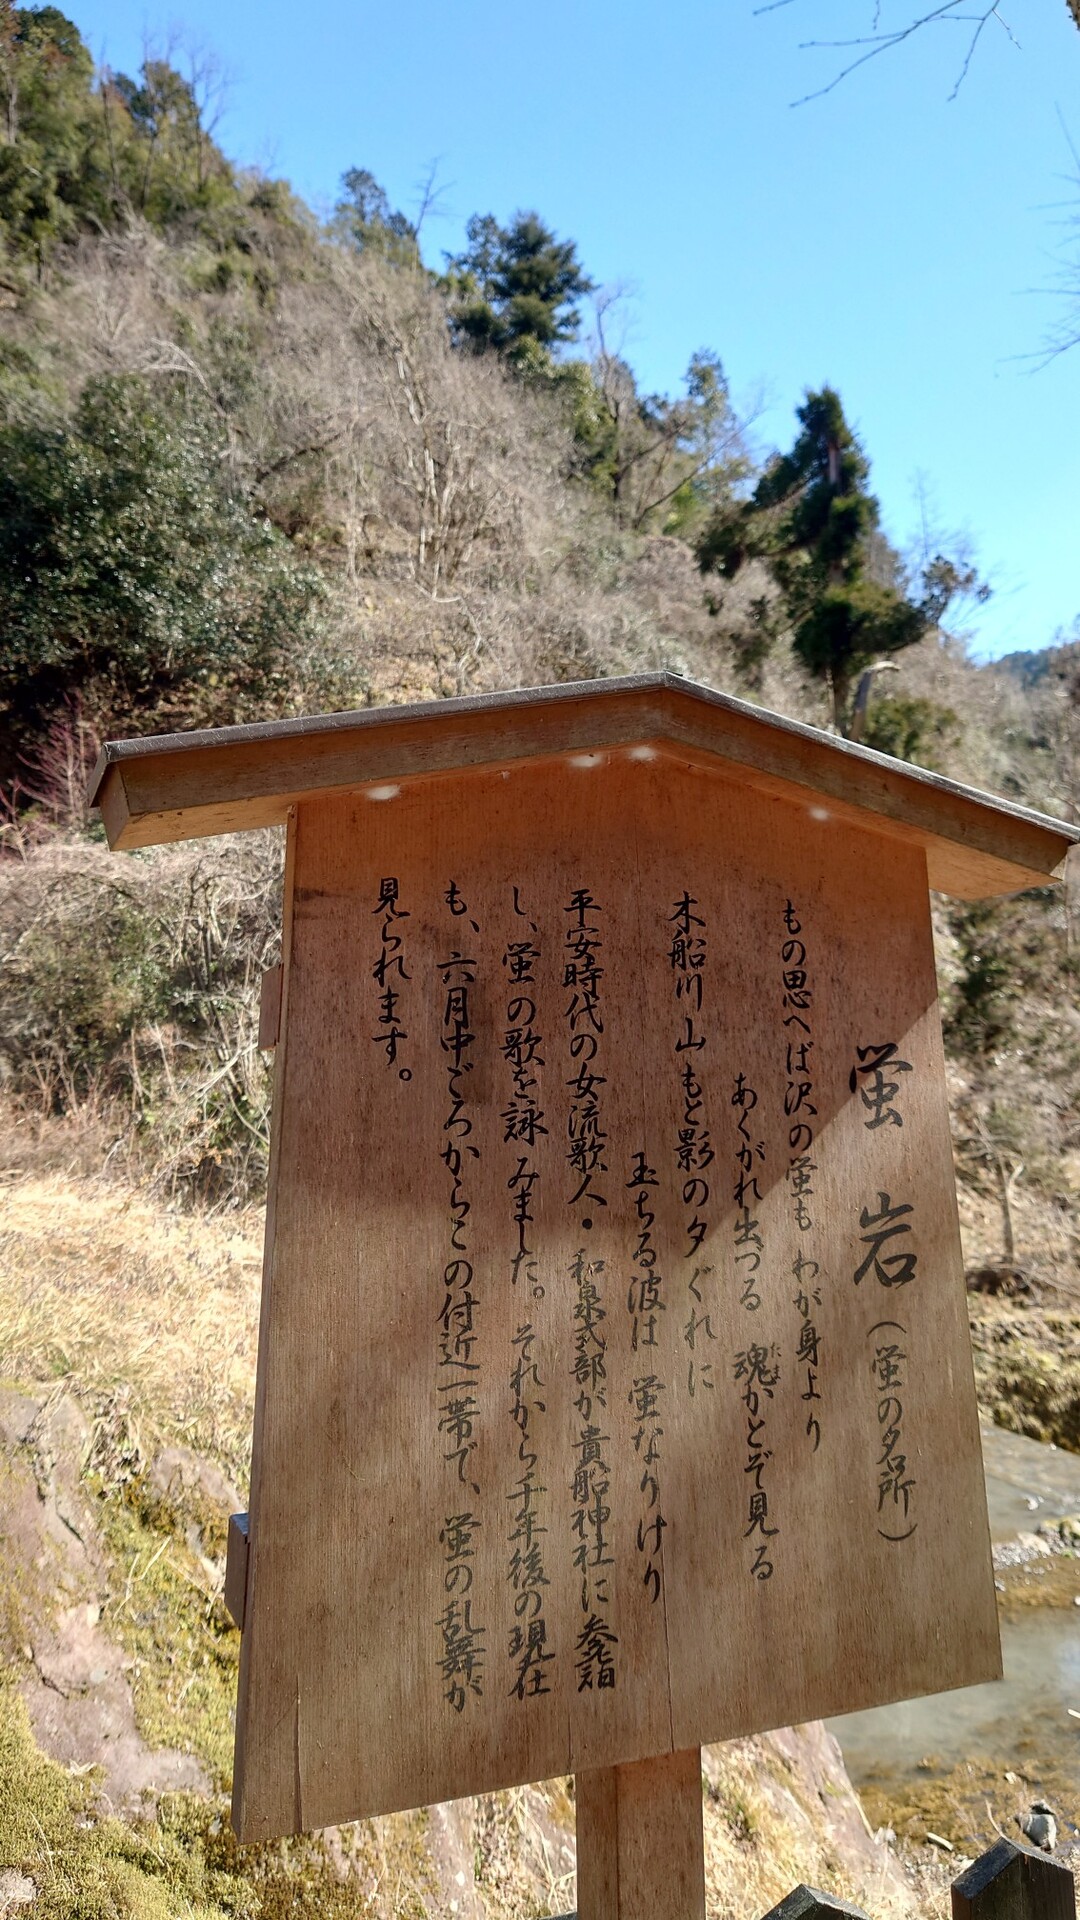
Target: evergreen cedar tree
(514, 288)
(814, 523)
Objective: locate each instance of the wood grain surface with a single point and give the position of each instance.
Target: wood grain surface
(640, 1840)
(615, 1392)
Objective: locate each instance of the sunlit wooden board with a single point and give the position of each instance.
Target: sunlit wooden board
(552, 1476)
(178, 786)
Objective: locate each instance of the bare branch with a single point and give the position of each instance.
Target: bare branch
(432, 195)
(1065, 334)
(946, 13)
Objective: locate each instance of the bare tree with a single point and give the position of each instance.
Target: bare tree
(658, 446)
(431, 195)
(210, 82)
(9, 72)
(443, 484)
(1009, 1170)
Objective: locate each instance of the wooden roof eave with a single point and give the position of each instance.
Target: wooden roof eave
(180, 786)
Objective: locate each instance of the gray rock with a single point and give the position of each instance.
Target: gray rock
(15, 1891)
(1040, 1826)
(177, 1470)
(17, 1416)
(76, 1685)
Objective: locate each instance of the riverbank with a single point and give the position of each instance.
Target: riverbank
(1027, 1365)
(965, 1766)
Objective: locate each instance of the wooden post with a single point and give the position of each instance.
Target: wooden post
(807, 1903)
(1012, 1882)
(641, 1841)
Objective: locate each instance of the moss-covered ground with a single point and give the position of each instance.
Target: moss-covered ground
(184, 1864)
(1027, 1368)
(166, 1609)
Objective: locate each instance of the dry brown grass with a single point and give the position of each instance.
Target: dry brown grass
(523, 1851)
(779, 1812)
(101, 1288)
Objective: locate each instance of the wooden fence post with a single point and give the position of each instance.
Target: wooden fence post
(641, 1857)
(807, 1903)
(1012, 1882)
(640, 1840)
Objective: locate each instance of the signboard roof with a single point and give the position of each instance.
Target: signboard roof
(179, 786)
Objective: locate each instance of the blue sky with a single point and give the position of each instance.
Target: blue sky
(902, 246)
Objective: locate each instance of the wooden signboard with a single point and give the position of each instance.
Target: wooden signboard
(615, 1393)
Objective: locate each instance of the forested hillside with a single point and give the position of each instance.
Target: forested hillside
(252, 463)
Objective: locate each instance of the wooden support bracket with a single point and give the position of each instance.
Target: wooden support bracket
(270, 1008)
(640, 1840)
(236, 1569)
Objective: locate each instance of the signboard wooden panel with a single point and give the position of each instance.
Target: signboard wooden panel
(615, 1389)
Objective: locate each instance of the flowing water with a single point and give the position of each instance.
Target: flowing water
(1023, 1719)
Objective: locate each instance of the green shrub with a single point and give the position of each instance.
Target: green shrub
(132, 571)
(911, 729)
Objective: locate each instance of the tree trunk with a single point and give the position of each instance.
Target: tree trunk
(841, 687)
(1006, 1182)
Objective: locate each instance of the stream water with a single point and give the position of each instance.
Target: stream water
(1023, 1720)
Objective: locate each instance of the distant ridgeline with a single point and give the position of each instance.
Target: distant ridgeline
(1045, 663)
